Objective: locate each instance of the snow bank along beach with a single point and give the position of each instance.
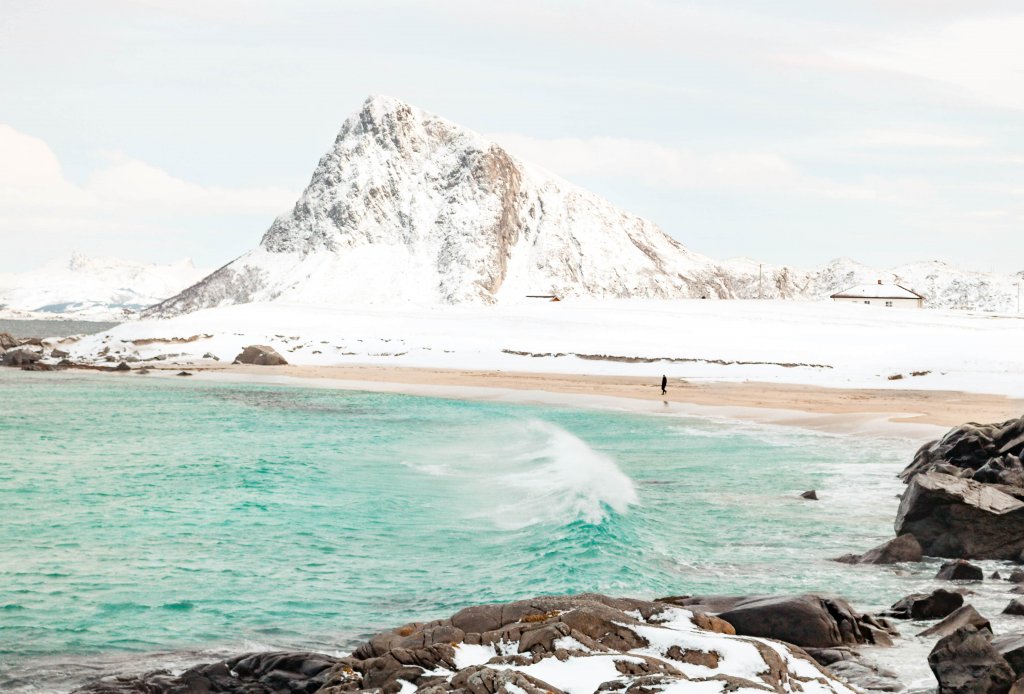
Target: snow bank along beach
(522, 524)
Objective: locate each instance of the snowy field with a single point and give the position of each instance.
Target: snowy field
(817, 343)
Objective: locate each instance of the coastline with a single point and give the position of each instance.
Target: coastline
(914, 414)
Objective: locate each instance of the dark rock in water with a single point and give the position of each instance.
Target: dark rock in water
(1016, 607)
(123, 366)
(812, 495)
(904, 548)
(960, 570)
(1016, 576)
(965, 662)
(37, 366)
(184, 373)
(1011, 647)
(963, 616)
(936, 605)
(261, 355)
(996, 576)
(954, 517)
(804, 620)
(509, 638)
(211, 355)
(867, 676)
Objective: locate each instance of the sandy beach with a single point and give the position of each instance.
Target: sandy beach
(911, 413)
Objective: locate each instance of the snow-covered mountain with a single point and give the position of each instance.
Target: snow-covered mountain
(92, 288)
(409, 207)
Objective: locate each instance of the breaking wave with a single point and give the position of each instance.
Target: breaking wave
(520, 474)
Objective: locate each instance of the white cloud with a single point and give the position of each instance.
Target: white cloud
(662, 166)
(915, 138)
(980, 57)
(125, 199)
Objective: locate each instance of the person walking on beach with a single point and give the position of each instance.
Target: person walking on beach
(664, 384)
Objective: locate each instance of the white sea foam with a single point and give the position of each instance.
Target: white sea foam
(522, 473)
(541, 473)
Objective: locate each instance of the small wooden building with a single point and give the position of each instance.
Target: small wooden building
(886, 295)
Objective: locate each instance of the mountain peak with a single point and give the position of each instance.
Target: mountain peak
(408, 206)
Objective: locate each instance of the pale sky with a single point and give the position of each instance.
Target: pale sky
(792, 131)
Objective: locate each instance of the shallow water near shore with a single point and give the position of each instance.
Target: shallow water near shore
(188, 519)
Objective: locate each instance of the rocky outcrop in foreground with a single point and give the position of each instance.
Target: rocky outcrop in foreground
(546, 645)
(965, 495)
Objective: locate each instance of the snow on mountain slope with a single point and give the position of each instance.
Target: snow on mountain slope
(407, 206)
(942, 285)
(96, 288)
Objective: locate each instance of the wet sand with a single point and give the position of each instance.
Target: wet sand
(917, 413)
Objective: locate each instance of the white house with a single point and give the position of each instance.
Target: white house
(889, 295)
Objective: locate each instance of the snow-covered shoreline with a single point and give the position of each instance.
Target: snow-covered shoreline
(818, 344)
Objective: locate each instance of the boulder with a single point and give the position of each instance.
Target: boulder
(1015, 608)
(7, 342)
(21, 356)
(867, 676)
(965, 662)
(1011, 647)
(123, 366)
(811, 495)
(1016, 576)
(973, 447)
(58, 353)
(961, 518)
(904, 548)
(261, 355)
(507, 648)
(935, 605)
(963, 616)
(960, 570)
(813, 621)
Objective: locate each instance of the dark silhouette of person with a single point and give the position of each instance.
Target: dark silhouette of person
(664, 384)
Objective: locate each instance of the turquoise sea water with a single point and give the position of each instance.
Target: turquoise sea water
(177, 515)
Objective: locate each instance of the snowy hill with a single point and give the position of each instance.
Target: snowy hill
(407, 207)
(92, 288)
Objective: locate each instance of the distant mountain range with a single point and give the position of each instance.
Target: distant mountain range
(409, 207)
(92, 288)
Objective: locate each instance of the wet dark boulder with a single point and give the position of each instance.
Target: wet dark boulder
(963, 616)
(960, 570)
(935, 605)
(1011, 647)
(960, 518)
(813, 621)
(965, 662)
(1015, 607)
(904, 548)
(810, 495)
(260, 355)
